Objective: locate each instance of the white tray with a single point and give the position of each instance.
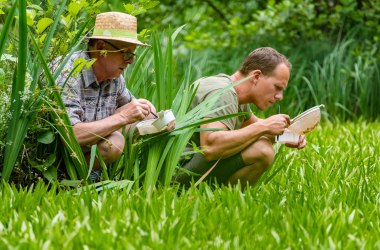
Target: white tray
(159, 124)
(301, 125)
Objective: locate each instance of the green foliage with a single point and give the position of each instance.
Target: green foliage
(153, 159)
(17, 122)
(139, 7)
(325, 196)
(343, 74)
(284, 23)
(8, 63)
(336, 75)
(26, 99)
(344, 81)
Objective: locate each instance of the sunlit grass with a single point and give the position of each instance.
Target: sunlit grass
(323, 197)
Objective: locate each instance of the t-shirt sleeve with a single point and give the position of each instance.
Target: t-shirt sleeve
(228, 100)
(246, 108)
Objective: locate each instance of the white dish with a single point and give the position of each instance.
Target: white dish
(306, 121)
(156, 125)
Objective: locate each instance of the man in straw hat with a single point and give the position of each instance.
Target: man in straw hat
(97, 101)
(242, 148)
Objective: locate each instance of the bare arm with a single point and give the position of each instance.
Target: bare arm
(299, 145)
(222, 144)
(91, 132)
(252, 119)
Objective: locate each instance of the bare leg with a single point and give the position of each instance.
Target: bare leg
(258, 158)
(110, 149)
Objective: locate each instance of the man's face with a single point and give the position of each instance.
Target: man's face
(119, 55)
(270, 89)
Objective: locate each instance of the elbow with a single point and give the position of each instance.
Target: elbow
(210, 154)
(210, 150)
(80, 140)
(81, 136)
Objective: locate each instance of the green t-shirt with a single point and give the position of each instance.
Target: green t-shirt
(212, 84)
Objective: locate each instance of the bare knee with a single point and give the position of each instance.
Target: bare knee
(112, 147)
(261, 152)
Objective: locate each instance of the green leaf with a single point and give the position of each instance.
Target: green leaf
(144, 32)
(138, 11)
(30, 15)
(65, 20)
(75, 7)
(90, 63)
(36, 7)
(6, 26)
(42, 38)
(45, 164)
(17, 124)
(151, 4)
(43, 24)
(96, 4)
(129, 8)
(2, 74)
(79, 63)
(46, 137)
(50, 173)
(71, 183)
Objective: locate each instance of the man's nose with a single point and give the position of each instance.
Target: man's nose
(279, 96)
(129, 60)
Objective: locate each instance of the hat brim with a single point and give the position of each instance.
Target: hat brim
(120, 39)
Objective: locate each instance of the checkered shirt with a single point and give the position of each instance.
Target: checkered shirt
(85, 99)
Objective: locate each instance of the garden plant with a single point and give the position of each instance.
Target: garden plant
(326, 196)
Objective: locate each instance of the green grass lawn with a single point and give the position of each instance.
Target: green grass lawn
(324, 197)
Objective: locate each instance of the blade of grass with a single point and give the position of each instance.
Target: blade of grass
(16, 130)
(6, 27)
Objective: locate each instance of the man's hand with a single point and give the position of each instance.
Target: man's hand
(170, 126)
(300, 145)
(275, 124)
(136, 110)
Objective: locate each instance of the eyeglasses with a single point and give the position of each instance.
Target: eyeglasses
(126, 54)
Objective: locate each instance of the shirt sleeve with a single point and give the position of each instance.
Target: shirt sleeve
(124, 95)
(246, 108)
(229, 102)
(71, 98)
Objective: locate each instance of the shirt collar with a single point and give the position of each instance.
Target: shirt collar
(88, 74)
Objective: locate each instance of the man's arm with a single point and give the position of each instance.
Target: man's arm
(223, 144)
(252, 119)
(91, 132)
(299, 145)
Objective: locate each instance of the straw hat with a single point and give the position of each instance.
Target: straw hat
(116, 26)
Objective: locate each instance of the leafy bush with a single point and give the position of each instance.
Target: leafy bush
(229, 23)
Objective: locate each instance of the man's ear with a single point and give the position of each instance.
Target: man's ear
(255, 75)
(99, 45)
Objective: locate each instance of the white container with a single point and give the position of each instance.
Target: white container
(288, 137)
(306, 121)
(156, 125)
(164, 118)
